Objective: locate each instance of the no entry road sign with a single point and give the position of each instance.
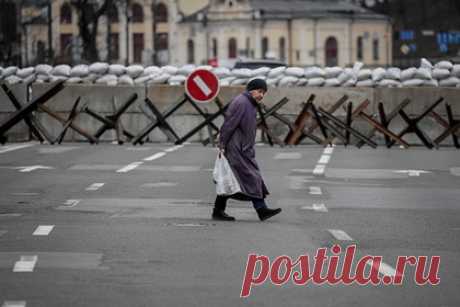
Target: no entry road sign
(202, 86)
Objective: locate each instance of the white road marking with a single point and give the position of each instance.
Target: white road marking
(324, 159)
(319, 169)
(288, 156)
(412, 173)
(24, 194)
(71, 202)
(95, 186)
(14, 147)
(174, 148)
(43, 230)
(155, 156)
(328, 150)
(14, 304)
(340, 235)
(202, 86)
(27, 169)
(315, 191)
(25, 264)
(316, 207)
(190, 225)
(129, 167)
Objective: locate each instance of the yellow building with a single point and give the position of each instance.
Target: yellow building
(177, 32)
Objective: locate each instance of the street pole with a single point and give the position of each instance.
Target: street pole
(50, 31)
(127, 32)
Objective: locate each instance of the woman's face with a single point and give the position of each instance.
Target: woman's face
(258, 94)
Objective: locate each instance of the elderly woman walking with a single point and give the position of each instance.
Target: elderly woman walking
(237, 142)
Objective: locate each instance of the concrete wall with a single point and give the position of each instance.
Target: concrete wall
(100, 99)
(20, 132)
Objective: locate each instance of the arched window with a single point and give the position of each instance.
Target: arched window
(331, 52)
(232, 48)
(282, 49)
(190, 52)
(160, 13)
(359, 48)
(214, 48)
(112, 13)
(264, 47)
(66, 14)
(138, 13)
(375, 49)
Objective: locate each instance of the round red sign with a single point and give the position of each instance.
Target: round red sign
(202, 85)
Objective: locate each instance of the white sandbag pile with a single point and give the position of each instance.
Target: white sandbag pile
(441, 74)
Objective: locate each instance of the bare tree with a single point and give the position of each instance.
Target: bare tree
(89, 13)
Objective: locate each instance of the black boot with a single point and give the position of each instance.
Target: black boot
(219, 210)
(266, 213)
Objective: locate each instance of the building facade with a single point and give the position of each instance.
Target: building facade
(297, 32)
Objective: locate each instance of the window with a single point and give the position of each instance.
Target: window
(138, 46)
(232, 48)
(282, 49)
(359, 48)
(66, 14)
(264, 47)
(160, 13)
(190, 52)
(214, 48)
(112, 13)
(114, 46)
(375, 49)
(161, 41)
(331, 52)
(138, 13)
(66, 44)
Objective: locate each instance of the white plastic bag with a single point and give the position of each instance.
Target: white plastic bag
(226, 182)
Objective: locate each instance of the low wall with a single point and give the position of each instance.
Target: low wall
(103, 99)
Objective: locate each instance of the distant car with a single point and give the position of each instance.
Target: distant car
(254, 64)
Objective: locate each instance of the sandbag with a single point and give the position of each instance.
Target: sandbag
(424, 63)
(334, 82)
(243, 73)
(160, 79)
(349, 83)
(444, 65)
(186, 69)
(117, 69)
(106, 79)
(456, 70)
(294, 72)
(288, 81)
(423, 73)
(61, 70)
(43, 69)
(43, 78)
(261, 71)
(134, 71)
(177, 80)
(222, 72)
(151, 70)
(13, 80)
(365, 83)
(125, 80)
(364, 74)
(440, 73)
(143, 79)
(25, 72)
(393, 73)
(239, 81)
(98, 68)
(449, 82)
(170, 70)
(9, 71)
(409, 73)
(431, 83)
(74, 80)
(314, 72)
(313, 82)
(413, 82)
(389, 83)
(378, 74)
(273, 81)
(333, 72)
(302, 82)
(276, 72)
(80, 71)
(345, 76)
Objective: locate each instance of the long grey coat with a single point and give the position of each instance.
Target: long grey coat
(238, 137)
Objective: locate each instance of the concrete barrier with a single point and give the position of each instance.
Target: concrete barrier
(100, 99)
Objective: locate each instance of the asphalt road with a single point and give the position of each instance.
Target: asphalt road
(111, 225)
